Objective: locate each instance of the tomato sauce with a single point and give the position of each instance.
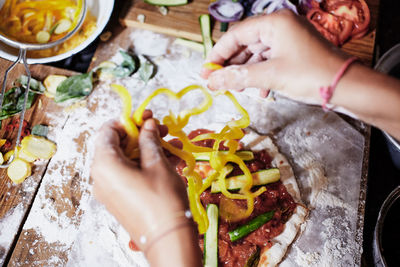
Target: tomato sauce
(275, 198)
(236, 254)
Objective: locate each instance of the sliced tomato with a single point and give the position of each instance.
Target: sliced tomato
(356, 11)
(337, 30)
(340, 20)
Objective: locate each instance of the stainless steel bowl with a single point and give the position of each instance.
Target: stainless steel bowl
(378, 248)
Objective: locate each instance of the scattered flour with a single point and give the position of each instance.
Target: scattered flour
(8, 229)
(66, 217)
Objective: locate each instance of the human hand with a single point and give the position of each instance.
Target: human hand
(139, 195)
(280, 51)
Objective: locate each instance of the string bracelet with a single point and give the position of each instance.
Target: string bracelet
(326, 92)
(161, 229)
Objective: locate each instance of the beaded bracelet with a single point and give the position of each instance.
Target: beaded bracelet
(326, 92)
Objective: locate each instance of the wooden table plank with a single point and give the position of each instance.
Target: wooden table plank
(182, 21)
(64, 197)
(16, 200)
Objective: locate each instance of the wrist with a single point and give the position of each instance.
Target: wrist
(176, 248)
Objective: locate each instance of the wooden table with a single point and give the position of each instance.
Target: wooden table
(20, 246)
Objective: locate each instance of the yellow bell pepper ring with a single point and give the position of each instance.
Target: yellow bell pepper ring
(130, 128)
(220, 162)
(212, 66)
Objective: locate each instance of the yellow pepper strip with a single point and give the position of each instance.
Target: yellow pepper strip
(229, 136)
(209, 180)
(184, 116)
(212, 66)
(130, 128)
(194, 185)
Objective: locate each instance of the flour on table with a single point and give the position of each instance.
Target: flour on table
(8, 232)
(88, 235)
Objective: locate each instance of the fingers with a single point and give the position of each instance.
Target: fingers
(109, 138)
(254, 36)
(149, 143)
(260, 75)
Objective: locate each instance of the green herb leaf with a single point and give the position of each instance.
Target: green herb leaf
(34, 85)
(13, 102)
(129, 62)
(40, 130)
(147, 69)
(128, 66)
(74, 87)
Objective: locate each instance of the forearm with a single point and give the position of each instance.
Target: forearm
(372, 96)
(178, 248)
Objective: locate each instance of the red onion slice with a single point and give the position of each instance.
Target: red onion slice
(226, 10)
(269, 6)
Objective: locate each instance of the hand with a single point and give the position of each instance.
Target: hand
(280, 51)
(138, 195)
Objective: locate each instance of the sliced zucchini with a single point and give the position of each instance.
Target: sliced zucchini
(205, 26)
(18, 170)
(211, 237)
(167, 2)
(191, 44)
(38, 147)
(205, 156)
(250, 226)
(259, 178)
(254, 259)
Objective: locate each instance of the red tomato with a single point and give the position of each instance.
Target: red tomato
(340, 20)
(335, 29)
(356, 11)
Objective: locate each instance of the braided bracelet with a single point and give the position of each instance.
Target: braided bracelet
(326, 92)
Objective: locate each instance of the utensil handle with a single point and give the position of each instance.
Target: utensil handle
(21, 56)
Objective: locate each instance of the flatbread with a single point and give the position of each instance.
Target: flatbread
(254, 142)
(274, 255)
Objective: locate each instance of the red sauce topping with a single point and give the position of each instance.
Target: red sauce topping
(275, 198)
(236, 254)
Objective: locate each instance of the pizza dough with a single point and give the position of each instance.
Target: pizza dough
(281, 243)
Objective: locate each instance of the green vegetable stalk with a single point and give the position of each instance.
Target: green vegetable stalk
(251, 226)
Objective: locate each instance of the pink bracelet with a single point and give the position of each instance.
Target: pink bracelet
(326, 92)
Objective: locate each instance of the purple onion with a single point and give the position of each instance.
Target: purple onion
(269, 6)
(226, 10)
(305, 5)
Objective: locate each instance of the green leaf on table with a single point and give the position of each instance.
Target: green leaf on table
(13, 102)
(40, 130)
(34, 85)
(129, 63)
(74, 87)
(147, 69)
(128, 66)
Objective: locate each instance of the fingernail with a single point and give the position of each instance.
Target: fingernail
(149, 125)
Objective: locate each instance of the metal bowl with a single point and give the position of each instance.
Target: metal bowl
(389, 63)
(101, 9)
(378, 248)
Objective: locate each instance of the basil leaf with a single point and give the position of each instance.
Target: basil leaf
(13, 102)
(74, 87)
(129, 63)
(34, 85)
(40, 130)
(128, 67)
(147, 69)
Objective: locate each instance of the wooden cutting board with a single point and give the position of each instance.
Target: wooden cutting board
(182, 21)
(12, 195)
